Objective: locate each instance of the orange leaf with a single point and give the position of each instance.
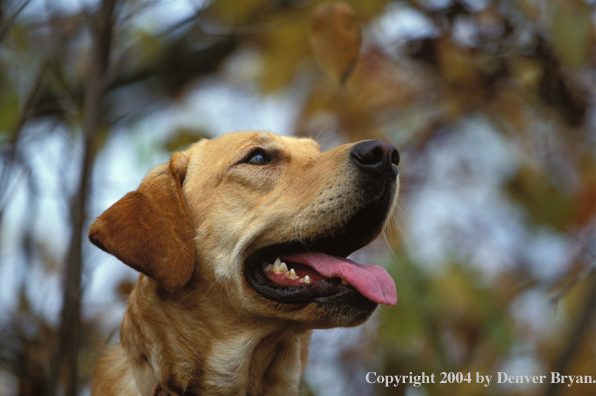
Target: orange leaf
(335, 39)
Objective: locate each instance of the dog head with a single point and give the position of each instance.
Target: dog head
(268, 219)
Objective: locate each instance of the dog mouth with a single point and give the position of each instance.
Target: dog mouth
(318, 270)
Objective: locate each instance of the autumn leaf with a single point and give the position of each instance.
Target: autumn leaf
(335, 39)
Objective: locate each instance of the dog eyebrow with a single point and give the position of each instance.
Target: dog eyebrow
(263, 138)
(269, 143)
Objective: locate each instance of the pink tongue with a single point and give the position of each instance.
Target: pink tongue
(372, 281)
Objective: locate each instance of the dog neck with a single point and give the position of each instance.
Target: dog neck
(218, 354)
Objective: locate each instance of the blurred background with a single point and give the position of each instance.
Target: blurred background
(491, 104)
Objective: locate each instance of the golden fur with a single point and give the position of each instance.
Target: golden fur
(193, 325)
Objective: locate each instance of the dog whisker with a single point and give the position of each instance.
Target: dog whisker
(283, 333)
(231, 302)
(207, 292)
(288, 350)
(182, 248)
(389, 247)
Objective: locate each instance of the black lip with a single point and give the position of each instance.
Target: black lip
(360, 230)
(294, 294)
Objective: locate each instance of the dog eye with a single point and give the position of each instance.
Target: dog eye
(258, 157)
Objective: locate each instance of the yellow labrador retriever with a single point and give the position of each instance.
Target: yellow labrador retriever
(241, 244)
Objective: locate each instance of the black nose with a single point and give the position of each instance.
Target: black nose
(375, 155)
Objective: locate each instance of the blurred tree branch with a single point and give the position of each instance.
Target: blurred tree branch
(178, 63)
(575, 339)
(6, 23)
(26, 113)
(582, 238)
(65, 363)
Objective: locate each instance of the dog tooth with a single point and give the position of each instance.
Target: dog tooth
(291, 274)
(306, 279)
(276, 265)
(267, 267)
(279, 267)
(343, 282)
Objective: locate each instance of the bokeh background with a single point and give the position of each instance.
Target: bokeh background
(490, 102)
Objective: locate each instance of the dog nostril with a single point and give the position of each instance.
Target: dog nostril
(395, 157)
(369, 154)
(375, 153)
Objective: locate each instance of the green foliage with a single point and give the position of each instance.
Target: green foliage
(545, 203)
(571, 25)
(9, 116)
(183, 138)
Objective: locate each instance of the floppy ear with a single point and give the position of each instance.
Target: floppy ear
(150, 229)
